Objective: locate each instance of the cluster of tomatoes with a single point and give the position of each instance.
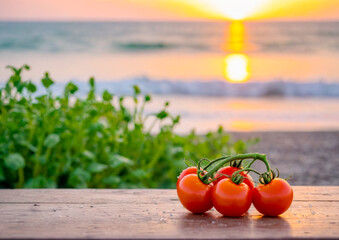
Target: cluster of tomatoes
(231, 190)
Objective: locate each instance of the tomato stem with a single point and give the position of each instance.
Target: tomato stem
(205, 178)
(267, 177)
(212, 162)
(237, 178)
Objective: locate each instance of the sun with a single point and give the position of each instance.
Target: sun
(236, 9)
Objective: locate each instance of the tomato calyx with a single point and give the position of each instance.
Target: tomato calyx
(237, 178)
(237, 164)
(267, 177)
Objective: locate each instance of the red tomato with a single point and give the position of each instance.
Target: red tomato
(189, 170)
(194, 195)
(229, 171)
(274, 198)
(231, 199)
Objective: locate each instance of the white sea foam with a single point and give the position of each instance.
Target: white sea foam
(220, 88)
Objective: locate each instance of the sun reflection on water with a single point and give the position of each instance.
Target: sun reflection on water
(236, 64)
(235, 37)
(236, 67)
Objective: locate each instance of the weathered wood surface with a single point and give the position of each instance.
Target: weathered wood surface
(145, 214)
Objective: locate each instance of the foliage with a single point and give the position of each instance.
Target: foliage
(94, 141)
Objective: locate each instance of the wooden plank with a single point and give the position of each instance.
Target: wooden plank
(157, 214)
(105, 196)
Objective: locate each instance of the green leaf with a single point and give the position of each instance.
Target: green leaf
(40, 182)
(14, 161)
(88, 154)
(136, 90)
(112, 180)
(253, 141)
(96, 167)
(162, 115)
(47, 81)
(2, 174)
(20, 86)
(190, 162)
(96, 127)
(92, 82)
(91, 93)
(25, 143)
(71, 87)
(41, 159)
(41, 100)
(31, 87)
(117, 160)
(93, 111)
(240, 147)
(15, 70)
(17, 112)
(79, 178)
(107, 96)
(147, 98)
(139, 173)
(176, 120)
(51, 140)
(127, 116)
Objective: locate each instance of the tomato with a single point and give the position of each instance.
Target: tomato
(231, 199)
(229, 171)
(194, 195)
(189, 170)
(273, 198)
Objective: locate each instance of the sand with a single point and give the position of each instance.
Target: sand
(311, 157)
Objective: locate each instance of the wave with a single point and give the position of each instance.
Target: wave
(161, 45)
(217, 88)
(129, 46)
(205, 37)
(20, 45)
(145, 46)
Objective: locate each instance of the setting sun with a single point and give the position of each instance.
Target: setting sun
(236, 10)
(236, 68)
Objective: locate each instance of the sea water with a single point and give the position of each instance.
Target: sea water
(244, 76)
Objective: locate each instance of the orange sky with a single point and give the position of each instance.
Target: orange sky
(168, 10)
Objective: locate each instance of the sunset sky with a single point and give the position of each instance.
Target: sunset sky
(167, 10)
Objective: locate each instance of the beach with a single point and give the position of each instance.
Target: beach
(245, 76)
(277, 81)
(311, 157)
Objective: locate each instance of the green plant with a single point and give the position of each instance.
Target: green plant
(65, 141)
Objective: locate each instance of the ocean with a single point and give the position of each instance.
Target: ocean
(251, 76)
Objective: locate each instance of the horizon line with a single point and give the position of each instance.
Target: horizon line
(159, 20)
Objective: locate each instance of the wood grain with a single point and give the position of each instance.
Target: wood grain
(157, 214)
